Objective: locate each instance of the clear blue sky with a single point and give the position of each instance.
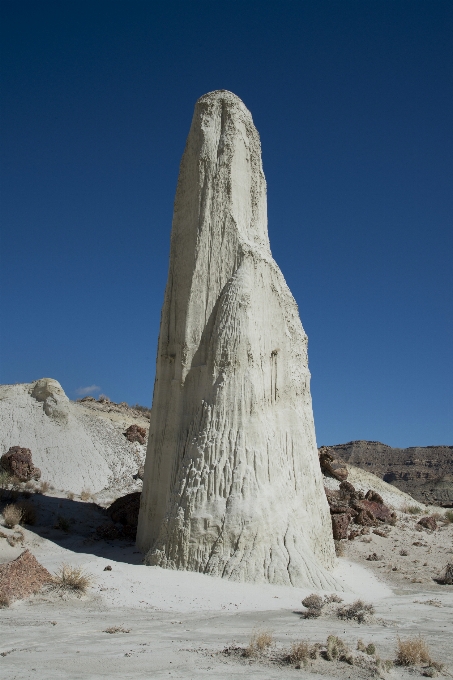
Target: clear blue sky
(354, 104)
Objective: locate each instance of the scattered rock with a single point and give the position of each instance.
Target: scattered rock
(374, 557)
(428, 523)
(18, 463)
(22, 577)
(332, 466)
(374, 497)
(125, 509)
(108, 568)
(87, 399)
(135, 433)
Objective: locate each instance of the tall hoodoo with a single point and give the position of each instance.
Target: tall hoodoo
(232, 482)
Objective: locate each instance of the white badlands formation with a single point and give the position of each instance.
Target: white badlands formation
(74, 446)
(232, 483)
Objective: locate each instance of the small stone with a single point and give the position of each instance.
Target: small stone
(108, 568)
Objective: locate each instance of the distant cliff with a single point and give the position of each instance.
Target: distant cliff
(424, 472)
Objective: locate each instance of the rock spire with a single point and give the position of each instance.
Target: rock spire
(232, 483)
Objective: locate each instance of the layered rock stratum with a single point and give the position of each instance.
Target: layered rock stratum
(232, 483)
(424, 472)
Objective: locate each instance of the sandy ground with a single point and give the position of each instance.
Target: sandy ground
(179, 623)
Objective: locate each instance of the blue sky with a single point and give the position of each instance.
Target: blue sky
(354, 104)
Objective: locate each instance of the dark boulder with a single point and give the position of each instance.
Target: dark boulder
(428, 523)
(135, 433)
(18, 463)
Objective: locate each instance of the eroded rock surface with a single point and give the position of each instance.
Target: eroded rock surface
(232, 483)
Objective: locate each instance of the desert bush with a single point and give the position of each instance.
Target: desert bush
(313, 601)
(12, 514)
(404, 553)
(260, 641)
(328, 599)
(63, 524)
(366, 649)
(70, 495)
(336, 650)
(357, 611)
(303, 651)
(412, 510)
(449, 516)
(44, 487)
(117, 629)
(28, 512)
(85, 495)
(412, 651)
(73, 579)
(311, 613)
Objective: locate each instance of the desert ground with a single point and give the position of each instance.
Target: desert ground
(179, 624)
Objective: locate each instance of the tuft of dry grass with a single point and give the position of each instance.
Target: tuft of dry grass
(73, 579)
(260, 641)
(412, 651)
(85, 495)
(70, 495)
(412, 509)
(357, 611)
(116, 629)
(328, 599)
(12, 514)
(44, 487)
(28, 512)
(303, 651)
(449, 516)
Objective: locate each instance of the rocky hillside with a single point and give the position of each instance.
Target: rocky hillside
(426, 473)
(76, 445)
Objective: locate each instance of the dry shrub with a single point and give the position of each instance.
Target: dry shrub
(412, 509)
(449, 516)
(412, 651)
(369, 649)
(28, 512)
(30, 485)
(311, 613)
(85, 495)
(337, 650)
(70, 495)
(303, 651)
(44, 487)
(73, 579)
(260, 641)
(117, 629)
(313, 601)
(328, 599)
(63, 524)
(12, 514)
(357, 611)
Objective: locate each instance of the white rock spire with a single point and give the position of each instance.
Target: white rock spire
(232, 483)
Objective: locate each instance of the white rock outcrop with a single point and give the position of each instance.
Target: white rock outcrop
(232, 482)
(74, 446)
